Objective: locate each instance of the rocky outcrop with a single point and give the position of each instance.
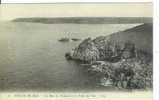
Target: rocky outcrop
(86, 51)
(124, 44)
(102, 48)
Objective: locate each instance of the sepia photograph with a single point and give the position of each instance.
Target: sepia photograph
(77, 48)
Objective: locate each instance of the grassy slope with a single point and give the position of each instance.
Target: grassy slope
(140, 35)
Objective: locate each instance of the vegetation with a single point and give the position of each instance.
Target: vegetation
(127, 73)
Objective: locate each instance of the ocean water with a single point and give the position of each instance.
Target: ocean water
(32, 58)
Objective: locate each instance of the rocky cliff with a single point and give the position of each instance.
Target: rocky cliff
(102, 48)
(123, 59)
(110, 48)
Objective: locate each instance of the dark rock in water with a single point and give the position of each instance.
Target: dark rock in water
(68, 56)
(64, 40)
(75, 39)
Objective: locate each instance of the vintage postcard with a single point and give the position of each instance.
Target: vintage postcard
(77, 51)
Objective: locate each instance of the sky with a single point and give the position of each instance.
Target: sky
(12, 11)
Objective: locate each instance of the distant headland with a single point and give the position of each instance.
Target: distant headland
(86, 20)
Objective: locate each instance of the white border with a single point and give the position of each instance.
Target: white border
(156, 29)
(54, 1)
(156, 50)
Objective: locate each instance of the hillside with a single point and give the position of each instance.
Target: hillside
(121, 44)
(141, 36)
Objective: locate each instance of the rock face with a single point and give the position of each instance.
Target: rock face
(86, 51)
(102, 48)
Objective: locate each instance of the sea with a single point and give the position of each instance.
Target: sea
(32, 58)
